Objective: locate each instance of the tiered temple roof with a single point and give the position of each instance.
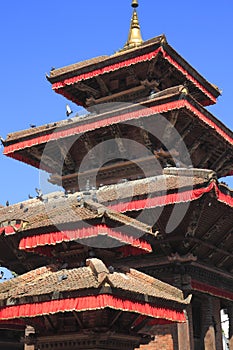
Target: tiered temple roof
(162, 210)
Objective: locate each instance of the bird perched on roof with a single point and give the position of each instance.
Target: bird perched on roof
(7, 203)
(32, 126)
(2, 140)
(30, 197)
(39, 194)
(68, 110)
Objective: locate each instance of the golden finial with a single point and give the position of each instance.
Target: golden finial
(134, 38)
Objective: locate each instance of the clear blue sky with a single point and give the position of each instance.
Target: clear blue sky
(37, 35)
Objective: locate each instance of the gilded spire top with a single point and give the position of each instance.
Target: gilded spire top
(134, 3)
(135, 37)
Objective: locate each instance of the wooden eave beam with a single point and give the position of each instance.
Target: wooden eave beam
(45, 159)
(115, 318)
(220, 158)
(142, 262)
(209, 233)
(151, 68)
(90, 102)
(165, 75)
(118, 138)
(78, 319)
(48, 318)
(108, 168)
(211, 269)
(211, 247)
(66, 156)
(103, 87)
(144, 134)
(86, 88)
(196, 217)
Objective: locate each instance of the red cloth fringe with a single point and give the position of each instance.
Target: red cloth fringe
(53, 238)
(9, 150)
(87, 303)
(146, 57)
(167, 199)
(11, 229)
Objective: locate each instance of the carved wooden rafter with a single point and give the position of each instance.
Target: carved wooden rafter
(223, 161)
(103, 87)
(197, 143)
(78, 319)
(89, 144)
(165, 75)
(205, 159)
(132, 73)
(45, 159)
(153, 84)
(50, 322)
(145, 135)
(151, 68)
(222, 261)
(195, 218)
(169, 129)
(66, 156)
(115, 130)
(136, 328)
(115, 319)
(88, 89)
(183, 133)
(212, 248)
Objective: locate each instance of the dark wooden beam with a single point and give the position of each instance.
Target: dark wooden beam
(45, 159)
(211, 231)
(115, 130)
(141, 261)
(113, 97)
(133, 74)
(48, 318)
(66, 156)
(103, 87)
(168, 135)
(166, 74)
(202, 265)
(195, 217)
(222, 156)
(78, 319)
(115, 318)
(151, 68)
(140, 325)
(86, 88)
(211, 247)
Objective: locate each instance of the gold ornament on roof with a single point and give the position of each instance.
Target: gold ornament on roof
(135, 37)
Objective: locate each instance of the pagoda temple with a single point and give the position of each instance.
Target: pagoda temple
(136, 249)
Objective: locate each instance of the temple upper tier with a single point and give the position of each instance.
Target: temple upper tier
(130, 75)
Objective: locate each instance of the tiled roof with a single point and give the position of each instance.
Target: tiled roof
(161, 97)
(101, 61)
(96, 61)
(44, 281)
(172, 179)
(60, 209)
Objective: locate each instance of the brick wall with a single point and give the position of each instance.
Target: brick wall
(165, 338)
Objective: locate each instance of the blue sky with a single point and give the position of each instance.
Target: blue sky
(37, 35)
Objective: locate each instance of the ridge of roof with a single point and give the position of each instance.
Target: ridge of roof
(41, 282)
(99, 59)
(160, 97)
(37, 213)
